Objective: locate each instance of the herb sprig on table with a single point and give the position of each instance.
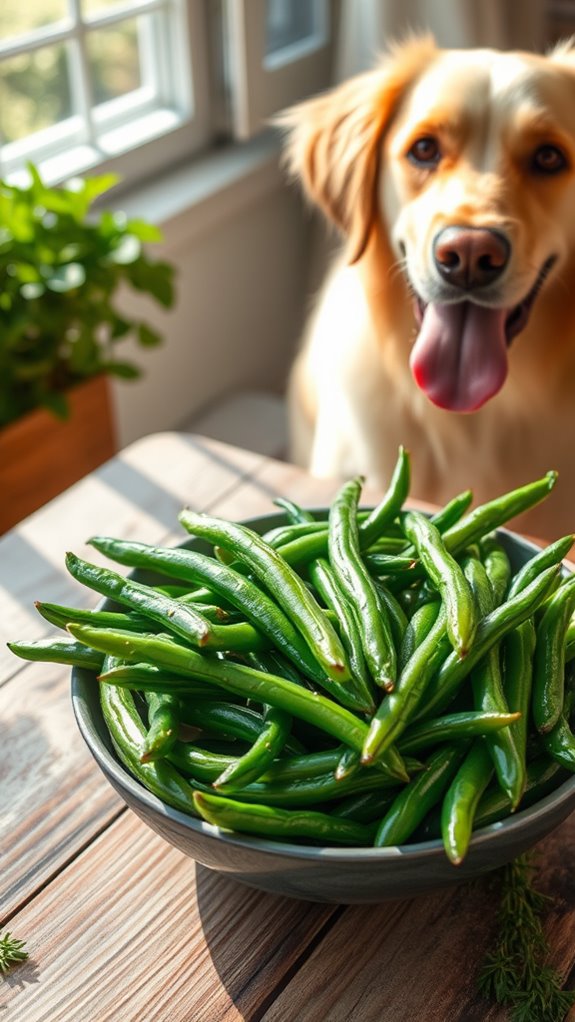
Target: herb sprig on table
(516, 972)
(11, 951)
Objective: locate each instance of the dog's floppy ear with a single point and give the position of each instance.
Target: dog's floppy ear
(334, 139)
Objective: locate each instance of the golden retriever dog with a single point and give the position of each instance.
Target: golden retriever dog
(447, 324)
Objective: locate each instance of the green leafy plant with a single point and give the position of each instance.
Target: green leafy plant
(60, 269)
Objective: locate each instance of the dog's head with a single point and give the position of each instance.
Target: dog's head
(467, 160)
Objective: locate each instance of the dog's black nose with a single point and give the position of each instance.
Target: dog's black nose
(470, 257)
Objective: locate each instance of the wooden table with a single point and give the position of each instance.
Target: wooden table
(121, 927)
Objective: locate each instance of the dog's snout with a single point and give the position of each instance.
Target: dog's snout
(470, 257)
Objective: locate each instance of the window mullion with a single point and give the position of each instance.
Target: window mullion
(81, 84)
(47, 36)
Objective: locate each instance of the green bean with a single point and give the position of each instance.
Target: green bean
(559, 743)
(542, 776)
(405, 565)
(453, 727)
(497, 565)
(253, 763)
(172, 615)
(396, 615)
(446, 575)
(229, 584)
(285, 585)
(60, 616)
(236, 678)
(202, 765)
(417, 596)
(370, 613)
(313, 791)
(58, 651)
(387, 509)
(398, 570)
(295, 514)
(227, 719)
(461, 800)
(265, 821)
(517, 655)
(397, 708)
(127, 732)
(494, 513)
(549, 658)
(148, 678)
(490, 631)
(419, 796)
(452, 511)
(418, 627)
(164, 713)
(546, 558)
(489, 696)
(284, 534)
(367, 807)
(323, 578)
(349, 764)
(305, 548)
(305, 765)
(177, 592)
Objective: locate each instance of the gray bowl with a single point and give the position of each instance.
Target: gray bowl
(335, 875)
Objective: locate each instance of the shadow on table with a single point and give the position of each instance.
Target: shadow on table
(259, 942)
(256, 940)
(19, 976)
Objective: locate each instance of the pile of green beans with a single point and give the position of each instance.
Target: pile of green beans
(375, 678)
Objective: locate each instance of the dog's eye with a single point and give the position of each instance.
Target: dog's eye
(548, 159)
(424, 152)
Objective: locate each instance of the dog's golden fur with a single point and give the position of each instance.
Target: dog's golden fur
(353, 397)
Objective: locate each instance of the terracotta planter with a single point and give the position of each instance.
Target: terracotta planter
(40, 456)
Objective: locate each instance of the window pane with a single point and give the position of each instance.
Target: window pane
(91, 7)
(18, 16)
(34, 92)
(289, 22)
(114, 56)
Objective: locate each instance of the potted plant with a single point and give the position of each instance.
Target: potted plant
(61, 266)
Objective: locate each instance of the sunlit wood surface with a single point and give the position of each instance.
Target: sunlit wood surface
(121, 927)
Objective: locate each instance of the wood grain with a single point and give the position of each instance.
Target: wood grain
(137, 495)
(131, 931)
(420, 959)
(53, 795)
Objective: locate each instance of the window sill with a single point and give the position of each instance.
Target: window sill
(191, 199)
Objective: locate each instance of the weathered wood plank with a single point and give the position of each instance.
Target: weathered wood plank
(133, 931)
(137, 494)
(53, 795)
(419, 959)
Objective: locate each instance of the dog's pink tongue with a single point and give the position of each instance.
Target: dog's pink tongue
(460, 356)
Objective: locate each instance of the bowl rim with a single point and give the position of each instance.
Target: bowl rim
(430, 849)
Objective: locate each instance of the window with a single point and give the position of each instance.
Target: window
(279, 52)
(132, 85)
(84, 82)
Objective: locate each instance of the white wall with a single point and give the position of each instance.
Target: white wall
(241, 252)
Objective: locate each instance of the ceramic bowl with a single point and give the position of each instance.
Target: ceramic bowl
(336, 875)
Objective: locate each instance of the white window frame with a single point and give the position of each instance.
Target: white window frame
(260, 86)
(152, 128)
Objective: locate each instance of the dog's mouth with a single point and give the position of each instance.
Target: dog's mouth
(459, 358)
